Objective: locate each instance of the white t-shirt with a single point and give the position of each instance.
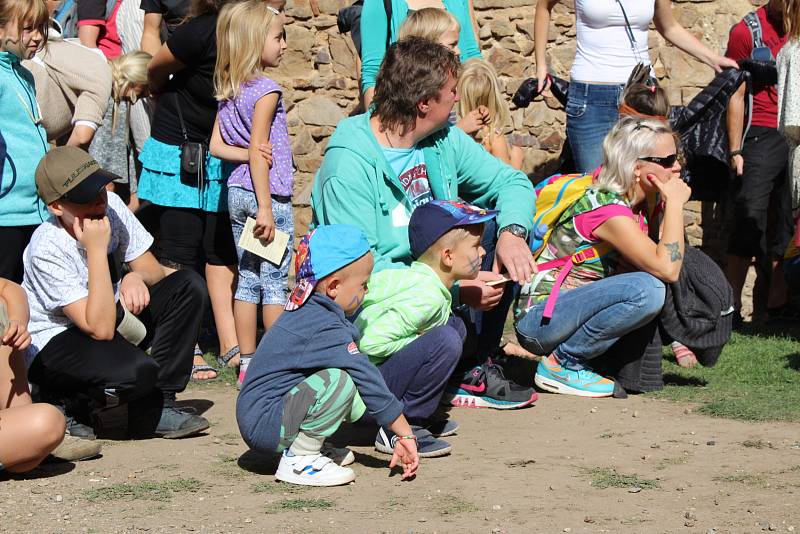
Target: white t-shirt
(604, 50)
(57, 274)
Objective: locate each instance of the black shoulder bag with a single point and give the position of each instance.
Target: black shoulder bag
(193, 155)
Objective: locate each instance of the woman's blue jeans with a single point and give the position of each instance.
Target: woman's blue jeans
(589, 319)
(592, 110)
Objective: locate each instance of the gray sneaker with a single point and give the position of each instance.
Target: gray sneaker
(74, 449)
(177, 424)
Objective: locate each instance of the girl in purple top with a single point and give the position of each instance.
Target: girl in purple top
(250, 39)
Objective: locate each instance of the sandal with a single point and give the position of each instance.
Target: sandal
(225, 359)
(202, 367)
(683, 355)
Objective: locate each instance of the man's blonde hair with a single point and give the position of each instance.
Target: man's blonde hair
(429, 23)
(242, 29)
(478, 86)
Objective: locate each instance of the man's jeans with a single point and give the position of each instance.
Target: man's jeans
(589, 319)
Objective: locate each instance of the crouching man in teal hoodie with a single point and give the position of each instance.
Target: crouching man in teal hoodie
(379, 166)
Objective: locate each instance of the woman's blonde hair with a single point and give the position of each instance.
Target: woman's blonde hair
(791, 19)
(429, 23)
(242, 29)
(478, 86)
(32, 12)
(128, 72)
(630, 139)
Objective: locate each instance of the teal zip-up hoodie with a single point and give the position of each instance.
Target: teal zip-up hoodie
(356, 185)
(22, 144)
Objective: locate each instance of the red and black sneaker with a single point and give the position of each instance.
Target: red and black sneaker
(485, 386)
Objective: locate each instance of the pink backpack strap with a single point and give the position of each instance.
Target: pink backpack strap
(566, 263)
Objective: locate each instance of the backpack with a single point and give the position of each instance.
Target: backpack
(66, 15)
(554, 196)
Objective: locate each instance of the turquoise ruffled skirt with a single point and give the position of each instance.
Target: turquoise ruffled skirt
(160, 181)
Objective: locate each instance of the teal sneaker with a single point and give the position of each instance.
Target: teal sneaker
(550, 376)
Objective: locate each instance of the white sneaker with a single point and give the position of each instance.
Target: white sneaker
(342, 456)
(312, 470)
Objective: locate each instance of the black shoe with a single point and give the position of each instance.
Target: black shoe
(177, 424)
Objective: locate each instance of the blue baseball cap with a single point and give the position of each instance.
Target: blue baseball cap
(431, 221)
(322, 251)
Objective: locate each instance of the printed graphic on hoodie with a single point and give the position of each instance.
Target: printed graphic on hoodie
(409, 165)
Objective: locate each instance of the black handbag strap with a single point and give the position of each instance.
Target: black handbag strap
(180, 117)
(629, 33)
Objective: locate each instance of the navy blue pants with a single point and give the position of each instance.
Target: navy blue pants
(417, 374)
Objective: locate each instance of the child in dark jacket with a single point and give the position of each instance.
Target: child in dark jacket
(308, 375)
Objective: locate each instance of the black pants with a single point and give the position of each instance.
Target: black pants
(761, 195)
(80, 370)
(13, 240)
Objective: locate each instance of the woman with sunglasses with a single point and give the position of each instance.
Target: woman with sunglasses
(611, 39)
(621, 289)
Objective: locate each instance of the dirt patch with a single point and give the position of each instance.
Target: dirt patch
(564, 465)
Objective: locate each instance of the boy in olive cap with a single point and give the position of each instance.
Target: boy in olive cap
(77, 290)
(308, 375)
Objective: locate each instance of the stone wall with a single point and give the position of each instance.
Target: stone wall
(319, 75)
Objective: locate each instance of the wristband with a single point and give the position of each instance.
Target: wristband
(736, 153)
(395, 439)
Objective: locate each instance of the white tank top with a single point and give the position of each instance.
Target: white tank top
(604, 50)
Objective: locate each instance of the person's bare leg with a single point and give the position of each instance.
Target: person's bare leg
(28, 432)
(221, 280)
(778, 290)
(736, 273)
(245, 318)
(270, 314)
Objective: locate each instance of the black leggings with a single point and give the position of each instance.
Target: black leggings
(13, 240)
(74, 367)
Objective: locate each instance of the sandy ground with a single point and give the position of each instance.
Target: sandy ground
(522, 471)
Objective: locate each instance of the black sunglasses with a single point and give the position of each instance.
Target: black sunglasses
(667, 161)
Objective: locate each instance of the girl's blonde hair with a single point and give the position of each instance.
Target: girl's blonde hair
(429, 23)
(241, 32)
(630, 139)
(791, 19)
(128, 72)
(32, 12)
(478, 86)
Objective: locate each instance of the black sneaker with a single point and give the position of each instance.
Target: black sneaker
(177, 424)
(485, 386)
(427, 445)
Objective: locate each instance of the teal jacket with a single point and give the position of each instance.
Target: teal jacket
(23, 143)
(374, 26)
(356, 185)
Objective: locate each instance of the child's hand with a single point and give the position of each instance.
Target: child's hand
(92, 233)
(17, 336)
(405, 453)
(474, 120)
(265, 149)
(265, 225)
(134, 293)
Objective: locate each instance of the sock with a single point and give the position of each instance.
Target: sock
(305, 445)
(244, 363)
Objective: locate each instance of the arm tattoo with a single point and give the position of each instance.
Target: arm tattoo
(674, 251)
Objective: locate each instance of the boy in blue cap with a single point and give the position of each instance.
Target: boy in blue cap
(308, 375)
(407, 328)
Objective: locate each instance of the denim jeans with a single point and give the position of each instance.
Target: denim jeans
(589, 319)
(592, 110)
